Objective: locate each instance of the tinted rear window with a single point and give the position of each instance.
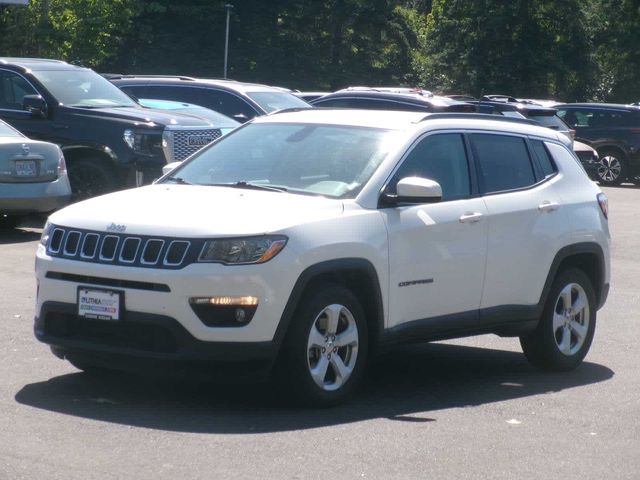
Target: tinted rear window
(504, 162)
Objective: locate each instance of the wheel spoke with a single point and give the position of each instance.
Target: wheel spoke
(348, 337)
(319, 372)
(316, 339)
(332, 313)
(580, 304)
(565, 344)
(341, 370)
(566, 297)
(579, 329)
(558, 321)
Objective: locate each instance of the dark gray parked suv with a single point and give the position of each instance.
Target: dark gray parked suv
(614, 131)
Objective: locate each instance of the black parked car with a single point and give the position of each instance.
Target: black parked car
(404, 99)
(614, 131)
(238, 100)
(109, 141)
(505, 105)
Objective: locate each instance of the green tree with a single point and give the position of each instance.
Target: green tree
(522, 48)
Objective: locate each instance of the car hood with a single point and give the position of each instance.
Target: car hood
(144, 115)
(196, 211)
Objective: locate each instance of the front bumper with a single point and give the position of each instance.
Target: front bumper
(150, 344)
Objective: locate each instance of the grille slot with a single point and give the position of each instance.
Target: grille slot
(90, 245)
(176, 252)
(129, 250)
(109, 247)
(187, 142)
(56, 240)
(72, 243)
(151, 251)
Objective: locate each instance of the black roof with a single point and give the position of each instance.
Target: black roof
(414, 97)
(612, 106)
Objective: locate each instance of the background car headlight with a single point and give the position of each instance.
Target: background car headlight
(238, 251)
(142, 142)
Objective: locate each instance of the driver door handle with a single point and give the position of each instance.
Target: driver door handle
(470, 217)
(548, 206)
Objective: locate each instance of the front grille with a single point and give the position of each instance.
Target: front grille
(122, 249)
(188, 142)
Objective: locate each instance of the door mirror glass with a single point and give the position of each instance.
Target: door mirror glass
(35, 105)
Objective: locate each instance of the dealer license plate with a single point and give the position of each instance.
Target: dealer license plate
(99, 304)
(26, 168)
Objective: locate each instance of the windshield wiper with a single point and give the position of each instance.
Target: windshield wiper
(178, 180)
(252, 186)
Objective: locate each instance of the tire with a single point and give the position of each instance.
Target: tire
(89, 178)
(612, 167)
(8, 222)
(314, 367)
(564, 334)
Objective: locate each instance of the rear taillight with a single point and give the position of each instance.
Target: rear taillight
(603, 201)
(634, 130)
(62, 165)
(572, 131)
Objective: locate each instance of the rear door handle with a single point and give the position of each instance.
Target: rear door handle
(548, 206)
(471, 217)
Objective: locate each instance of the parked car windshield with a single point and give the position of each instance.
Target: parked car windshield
(272, 101)
(329, 160)
(7, 131)
(83, 88)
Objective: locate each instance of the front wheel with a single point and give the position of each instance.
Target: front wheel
(565, 331)
(326, 348)
(89, 178)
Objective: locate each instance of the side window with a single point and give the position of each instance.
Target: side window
(504, 162)
(440, 157)
(13, 88)
(544, 159)
(165, 92)
(138, 91)
(225, 103)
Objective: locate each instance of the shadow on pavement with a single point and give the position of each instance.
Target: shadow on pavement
(23, 232)
(410, 384)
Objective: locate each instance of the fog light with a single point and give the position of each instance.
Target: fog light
(224, 311)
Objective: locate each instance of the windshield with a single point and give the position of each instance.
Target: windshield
(272, 101)
(328, 160)
(551, 121)
(83, 88)
(7, 131)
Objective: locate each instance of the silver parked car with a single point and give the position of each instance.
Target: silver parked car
(33, 177)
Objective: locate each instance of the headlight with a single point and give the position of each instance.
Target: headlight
(141, 142)
(46, 233)
(239, 251)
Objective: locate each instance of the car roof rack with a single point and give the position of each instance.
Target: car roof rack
(477, 116)
(7, 60)
(293, 109)
(114, 76)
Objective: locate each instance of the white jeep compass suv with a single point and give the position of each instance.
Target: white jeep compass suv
(307, 239)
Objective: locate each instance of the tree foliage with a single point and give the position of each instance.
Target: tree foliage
(569, 49)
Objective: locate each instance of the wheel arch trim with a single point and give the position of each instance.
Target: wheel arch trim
(334, 268)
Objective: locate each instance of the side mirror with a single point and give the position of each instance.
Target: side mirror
(35, 105)
(414, 190)
(169, 166)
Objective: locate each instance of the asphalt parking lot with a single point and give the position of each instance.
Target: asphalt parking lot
(465, 409)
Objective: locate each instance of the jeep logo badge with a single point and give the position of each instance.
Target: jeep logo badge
(116, 228)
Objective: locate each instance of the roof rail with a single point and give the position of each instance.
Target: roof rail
(114, 76)
(293, 109)
(477, 116)
(7, 60)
